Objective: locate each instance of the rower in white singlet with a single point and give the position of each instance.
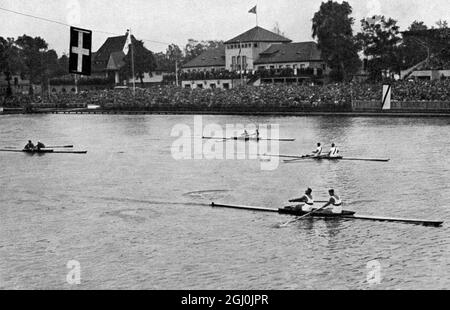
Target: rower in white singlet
(334, 151)
(335, 202)
(318, 151)
(307, 200)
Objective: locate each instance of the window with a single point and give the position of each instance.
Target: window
(212, 86)
(226, 86)
(294, 66)
(187, 86)
(199, 85)
(256, 45)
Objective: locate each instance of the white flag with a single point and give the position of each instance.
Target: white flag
(126, 48)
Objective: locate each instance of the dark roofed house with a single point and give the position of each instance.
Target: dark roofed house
(109, 59)
(103, 56)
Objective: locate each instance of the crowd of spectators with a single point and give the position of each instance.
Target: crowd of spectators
(270, 97)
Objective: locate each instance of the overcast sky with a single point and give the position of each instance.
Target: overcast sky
(176, 21)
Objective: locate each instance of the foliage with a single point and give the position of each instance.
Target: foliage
(332, 26)
(380, 43)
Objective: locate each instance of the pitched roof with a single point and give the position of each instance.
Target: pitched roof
(290, 52)
(209, 58)
(112, 45)
(258, 34)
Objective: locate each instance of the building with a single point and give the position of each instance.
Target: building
(109, 60)
(19, 85)
(300, 55)
(243, 58)
(242, 51)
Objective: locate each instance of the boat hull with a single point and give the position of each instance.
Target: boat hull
(290, 211)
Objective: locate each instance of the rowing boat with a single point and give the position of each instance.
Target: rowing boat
(43, 151)
(345, 215)
(28, 151)
(296, 158)
(248, 139)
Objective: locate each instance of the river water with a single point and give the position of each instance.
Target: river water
(133, 217)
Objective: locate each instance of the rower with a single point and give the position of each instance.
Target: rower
(334, 151)
(29, 146)
(308, 201)
(335, 203)
(40, 146)
(318, 151)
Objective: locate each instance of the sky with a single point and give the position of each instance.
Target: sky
(161, 22)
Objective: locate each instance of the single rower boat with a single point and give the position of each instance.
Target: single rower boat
(321, 214)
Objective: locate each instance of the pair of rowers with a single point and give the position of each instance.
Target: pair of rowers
(246, 135)
(334, 204)
(31, 147)
(334, 151)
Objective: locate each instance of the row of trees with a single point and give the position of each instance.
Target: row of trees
(380, 40)
(31, 58)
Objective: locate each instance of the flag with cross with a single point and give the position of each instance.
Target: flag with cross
(80, 51)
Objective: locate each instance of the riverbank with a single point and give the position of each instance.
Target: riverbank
(273, 113)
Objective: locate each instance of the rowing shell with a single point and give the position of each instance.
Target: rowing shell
(43, 151)
(248, 139)
(345, 215)
(295, 158)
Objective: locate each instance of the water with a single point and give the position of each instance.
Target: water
(135, 218)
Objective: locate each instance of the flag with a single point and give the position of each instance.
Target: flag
(126, 47)
(80, 51)
(253, 10)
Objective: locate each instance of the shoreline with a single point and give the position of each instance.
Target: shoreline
(187, 112)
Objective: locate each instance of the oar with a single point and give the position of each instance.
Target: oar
(301, 217)
(297, 159)
(58, 146)
(366, 159)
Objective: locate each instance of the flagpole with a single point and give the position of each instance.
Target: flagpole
(132, 64)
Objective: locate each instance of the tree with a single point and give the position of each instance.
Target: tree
(144, 61)
(412, 50)
(380, 42)
(166, 61)
(332, 26)
(10, 62)
(32, 51)
(194, 48)
(417, 26)
(442, 24)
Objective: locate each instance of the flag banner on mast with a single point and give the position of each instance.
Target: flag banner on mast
(253, 10)
(80, 51)
(126, 47)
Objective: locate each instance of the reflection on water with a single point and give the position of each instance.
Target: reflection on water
(136, 218)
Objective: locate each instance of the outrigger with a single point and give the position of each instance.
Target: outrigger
(248, 139)
(296, 158)
(43, 151)
(344, 215)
